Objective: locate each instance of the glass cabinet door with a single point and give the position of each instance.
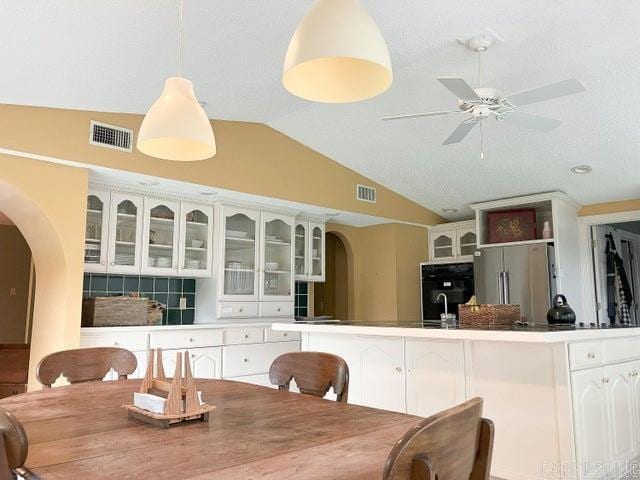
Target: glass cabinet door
(277, 271)
(97, 226)
(301, 251)
(196, 237)
(160, 237)
(442, 245)
(317, 252)
(239, 254)
(125, 225)
(467, 243)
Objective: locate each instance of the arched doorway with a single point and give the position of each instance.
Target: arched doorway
(48, 326)
(332, 297)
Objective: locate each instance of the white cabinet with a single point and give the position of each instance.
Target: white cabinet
(590, 422)
(125, 233)
(620, 405)
(455, 241)
(97, 228)
(206, 362)
(239, 232)
(196, 240)
(382, 378)
(435, 375)
(276, 252)
(160, 239)
(310, 251)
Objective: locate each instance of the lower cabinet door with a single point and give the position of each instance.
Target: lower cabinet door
(381, 381)
(206, 362)
(435, 376)
(635, 369)
(620, 403)
(591, 423)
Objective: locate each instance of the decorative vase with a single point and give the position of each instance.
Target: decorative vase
(546, 231)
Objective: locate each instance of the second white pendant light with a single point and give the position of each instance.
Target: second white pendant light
(337, 55)
(176, 126)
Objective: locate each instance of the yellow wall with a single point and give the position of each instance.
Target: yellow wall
(610, 207)
(47, 203)
(385, 286)
(252, 158)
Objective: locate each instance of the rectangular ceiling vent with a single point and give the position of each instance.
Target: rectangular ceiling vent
(110, 136)
(366, 194)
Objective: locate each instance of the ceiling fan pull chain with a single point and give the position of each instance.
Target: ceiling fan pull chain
(481, 142)
(180, 40)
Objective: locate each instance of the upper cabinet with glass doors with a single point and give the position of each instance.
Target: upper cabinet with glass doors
(238, 266)
(453, 242)
(309, 251)
(97, 229)
(160, 241)
(196, 236)
(276, 271)
(125, 233)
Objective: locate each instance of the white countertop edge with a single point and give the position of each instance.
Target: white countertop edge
(481, 335)
(196, 326)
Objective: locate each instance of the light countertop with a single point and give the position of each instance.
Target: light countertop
(500, 334)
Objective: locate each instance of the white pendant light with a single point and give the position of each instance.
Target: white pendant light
(176, 127)
(337, 55)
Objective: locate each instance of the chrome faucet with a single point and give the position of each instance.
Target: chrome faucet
(446, 308)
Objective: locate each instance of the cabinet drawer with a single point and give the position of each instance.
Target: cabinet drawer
(584, 355)
(237, 309)
(621, 349)
(134, 341)
(276, 309)
(240, 360)
(233, 336)
(279, 336)
(185, 339)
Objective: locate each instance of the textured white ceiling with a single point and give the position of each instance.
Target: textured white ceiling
(114, 55)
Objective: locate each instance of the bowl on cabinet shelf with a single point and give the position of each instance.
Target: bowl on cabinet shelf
(271, 266)
(197, 243)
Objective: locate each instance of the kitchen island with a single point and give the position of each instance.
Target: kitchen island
(565, 402)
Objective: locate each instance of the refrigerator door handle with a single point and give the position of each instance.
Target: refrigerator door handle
(500, 288)
(505, 285)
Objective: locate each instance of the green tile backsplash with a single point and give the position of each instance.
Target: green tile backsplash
(163, 289)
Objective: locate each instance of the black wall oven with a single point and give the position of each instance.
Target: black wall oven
(455, 280)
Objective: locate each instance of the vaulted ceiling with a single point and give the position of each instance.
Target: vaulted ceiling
(113, 55)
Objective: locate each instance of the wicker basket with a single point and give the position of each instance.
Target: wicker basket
(114, 311)
(488, 315)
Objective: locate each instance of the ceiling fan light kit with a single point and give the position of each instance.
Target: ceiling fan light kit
(337, 55)
(481, 103)
(176, 126)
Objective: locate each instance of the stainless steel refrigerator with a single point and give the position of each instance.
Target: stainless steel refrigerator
(520, 275)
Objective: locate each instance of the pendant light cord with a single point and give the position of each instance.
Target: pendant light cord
(180, 40)
(480, 72)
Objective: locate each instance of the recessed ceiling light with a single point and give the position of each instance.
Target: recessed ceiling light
(148, 183)
(581, 169)
(449, 210)
(208, 193)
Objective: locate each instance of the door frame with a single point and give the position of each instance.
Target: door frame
(586, 256)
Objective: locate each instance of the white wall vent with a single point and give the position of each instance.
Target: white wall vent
(365, 193)
(110, 136)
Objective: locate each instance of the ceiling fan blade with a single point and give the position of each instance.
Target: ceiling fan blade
(546, 92)
(459, 87)
(533, 122)
(460, 132)
(416, 115)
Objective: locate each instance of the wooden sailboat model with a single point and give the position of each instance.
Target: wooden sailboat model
(182, 402)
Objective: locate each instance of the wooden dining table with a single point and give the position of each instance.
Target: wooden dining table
(81, 431)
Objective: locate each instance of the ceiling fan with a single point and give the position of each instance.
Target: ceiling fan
(478, 104)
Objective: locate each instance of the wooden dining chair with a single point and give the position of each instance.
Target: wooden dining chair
(85, 365)
(455, 444)
(314, 373)
(13, 448)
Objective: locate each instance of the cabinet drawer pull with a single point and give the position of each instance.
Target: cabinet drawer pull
(591, 355)
(246, 335)
(279, 309)
(284, 334)
(605, 380)
(241, 309)
(191, 340)
(246, 360)
(115, 344)
(398, 369)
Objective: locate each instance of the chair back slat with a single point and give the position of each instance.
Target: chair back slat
(455, 444)
(314, 373)
(85, 365)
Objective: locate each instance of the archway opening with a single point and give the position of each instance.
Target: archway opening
(334, 296)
